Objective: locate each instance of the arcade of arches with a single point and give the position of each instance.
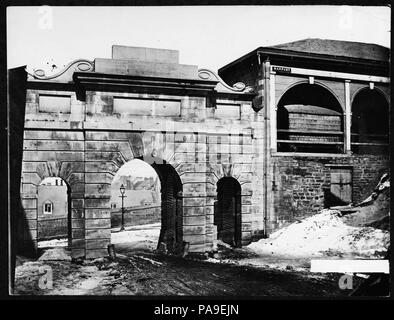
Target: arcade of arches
(311, 119)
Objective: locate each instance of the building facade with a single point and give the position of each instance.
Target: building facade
(282, 136)
(326, 107)
(85, 122)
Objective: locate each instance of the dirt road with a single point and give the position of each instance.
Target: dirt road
(151, 274)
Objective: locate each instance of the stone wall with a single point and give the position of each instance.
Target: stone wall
(85, 143)
(203, 134)
(54, 147)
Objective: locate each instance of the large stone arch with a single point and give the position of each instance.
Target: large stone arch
(106, 152)
(33, 173)
(171, 233)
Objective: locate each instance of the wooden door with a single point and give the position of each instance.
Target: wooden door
(341, 184)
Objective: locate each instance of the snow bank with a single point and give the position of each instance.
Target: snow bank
(148, 232)
(60, 254)
(324, 234)
(53, 243)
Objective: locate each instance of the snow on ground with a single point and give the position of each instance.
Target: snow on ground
(137, 233)
(142, 237)
(53, 243)
(54, 250)
(324, 234)
(55, 254)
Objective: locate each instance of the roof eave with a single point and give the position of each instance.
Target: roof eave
(298, 54)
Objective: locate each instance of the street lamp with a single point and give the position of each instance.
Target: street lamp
(122, 191)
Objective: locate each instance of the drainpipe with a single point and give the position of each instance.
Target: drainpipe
(266, 104)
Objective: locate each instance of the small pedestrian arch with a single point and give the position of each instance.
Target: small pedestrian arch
(227, 211)
(53, 209)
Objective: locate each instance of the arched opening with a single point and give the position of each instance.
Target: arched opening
(370, 123)
(53, 213)
(152, 207)
(309, 119)
(227, 211)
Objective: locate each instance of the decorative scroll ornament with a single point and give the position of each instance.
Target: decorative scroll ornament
(238, 87)
(82, 65)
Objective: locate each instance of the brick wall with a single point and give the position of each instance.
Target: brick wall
(299, 183)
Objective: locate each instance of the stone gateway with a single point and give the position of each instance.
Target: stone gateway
(236, 160)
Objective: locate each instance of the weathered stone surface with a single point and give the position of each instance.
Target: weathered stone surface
(77, 213)
(30, 213)
(193, 230)
(78, 233)
(98, 203)
(193, 211)
(97, 223)
(97, 214)
(97, 244)
(78, 243)
(77, 223)
(29, 203)
(194, 220)
(86, 142)
(77, 203)
(194, 201)
(98, 234)
(145, 54)
(145, 68)
(96, 253)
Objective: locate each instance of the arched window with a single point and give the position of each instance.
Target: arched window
(48, 207)
(370, 123)
(309, 119)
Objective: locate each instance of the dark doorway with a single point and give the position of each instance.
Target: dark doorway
(370, 123)
(227, 214)
(171, 232)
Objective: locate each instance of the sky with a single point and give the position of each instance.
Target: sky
(209, 37)
(136, 168)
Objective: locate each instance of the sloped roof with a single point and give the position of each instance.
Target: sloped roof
(308, 109)
(338, 48)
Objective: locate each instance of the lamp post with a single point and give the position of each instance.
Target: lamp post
(122, 191)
